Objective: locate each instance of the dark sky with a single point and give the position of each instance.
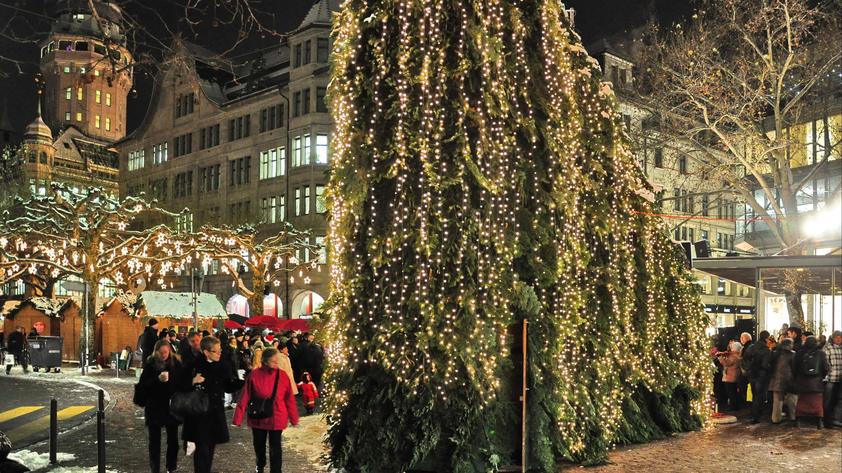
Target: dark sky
(594, 19)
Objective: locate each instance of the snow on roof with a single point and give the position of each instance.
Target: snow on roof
(180, 304)
(54, 308)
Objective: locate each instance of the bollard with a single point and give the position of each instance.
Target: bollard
(100, 432)
(53, 431)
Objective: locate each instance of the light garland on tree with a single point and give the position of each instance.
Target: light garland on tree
(480, 176)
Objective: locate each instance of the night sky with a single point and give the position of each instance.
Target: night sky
(594, 19)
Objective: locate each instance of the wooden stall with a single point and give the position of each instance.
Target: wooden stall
(54, 317)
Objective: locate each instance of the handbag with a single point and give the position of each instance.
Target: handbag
(193, 403)
(139, 396)
(260, 408)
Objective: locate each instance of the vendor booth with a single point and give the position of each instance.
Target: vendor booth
(50, 317)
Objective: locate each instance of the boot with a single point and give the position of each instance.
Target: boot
(821, 423)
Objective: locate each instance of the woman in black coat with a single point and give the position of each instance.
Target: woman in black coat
(211, 374)
(158, 381)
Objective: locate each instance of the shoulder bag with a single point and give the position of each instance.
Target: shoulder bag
(260, 408)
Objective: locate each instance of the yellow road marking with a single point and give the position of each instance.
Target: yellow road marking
(17, 412)
(27, 430)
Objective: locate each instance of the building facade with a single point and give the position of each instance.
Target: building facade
(692, 207)
(246, 143)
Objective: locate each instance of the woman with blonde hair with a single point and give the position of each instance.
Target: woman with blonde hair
(256, 360)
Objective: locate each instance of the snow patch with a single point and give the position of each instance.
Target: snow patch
(36, 461)
(77, 469)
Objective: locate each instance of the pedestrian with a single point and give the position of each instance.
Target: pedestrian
(731, 375)
(210, 375)
(16, 345)
(158, 382)
(173, 339)
(294, 357)
(244, 354)
(755, 358)
(833, 387)
(148, 339)
(286, 367)
(190, 349)
(268, 383)
(780, 383)
(794, 333)
(811, 367)
(257, 356)
(33, 333)
(309, 392)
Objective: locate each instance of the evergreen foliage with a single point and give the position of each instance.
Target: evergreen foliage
(481, 177)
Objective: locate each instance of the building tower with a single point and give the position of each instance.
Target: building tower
(38, 152)
(87, 70)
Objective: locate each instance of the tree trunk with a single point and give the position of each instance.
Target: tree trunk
(88, 315)
(256, 299)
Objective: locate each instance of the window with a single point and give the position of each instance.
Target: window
(209, 137)
(677, 202)
(691, 234)
(98, 98)
(282, 208)
(296, 151)
(298, 206)
(720, 286)
(108, 99)
(107, 124)
(159, 188)
(297, 61)
(719, 242)
(183, 144)
(68, 93)
(184, 222)
(682, 164)
(305, 157)
(306, 200)
(677, 234)
(705, 206)
(320, 200)
(321, 50)
(96, 72)
(82, 69)
(320, 242)
(136, 160)
(184, 104)
(305, 101)
(80, 93)
(684, 201)
(269, 209)
(272, 163)
(683, 233)
(239, 127)
(691, 204)
(78, 116)
(321, 105)
(659, 157)
(703, 234)
(67, 69)
(296, 104)
(239, 171)
(209, 178)
(67, 116)
(271, 118)
(159, 153)
(96, 119)
(321, 148)
(183, 184)
(307, 51)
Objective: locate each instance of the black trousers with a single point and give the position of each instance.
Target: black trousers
(203, 457)
(759, 395)
(732, 389)
(275, 453)
(155, 447)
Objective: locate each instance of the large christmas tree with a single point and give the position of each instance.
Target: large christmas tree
(480, 178)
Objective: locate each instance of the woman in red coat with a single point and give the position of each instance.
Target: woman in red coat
(261, 383)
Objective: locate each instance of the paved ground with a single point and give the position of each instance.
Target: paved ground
(739, 447)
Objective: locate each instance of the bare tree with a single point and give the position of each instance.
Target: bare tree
(734, 84)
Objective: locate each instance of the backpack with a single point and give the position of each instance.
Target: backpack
(810, 364)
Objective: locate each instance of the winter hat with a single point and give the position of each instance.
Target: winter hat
(836, 333)
(152, 322)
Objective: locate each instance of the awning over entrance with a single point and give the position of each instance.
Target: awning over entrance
(813, 274)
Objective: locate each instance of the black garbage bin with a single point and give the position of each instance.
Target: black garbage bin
(45, 352)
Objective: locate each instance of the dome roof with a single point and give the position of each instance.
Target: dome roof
(38, 129)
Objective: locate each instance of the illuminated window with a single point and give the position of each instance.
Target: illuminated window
(68, 94)
(80, 93)
(321, 148)
(97, 121)
(78, 116)
(305, 158)
(98, 96)
(107, 124)
(108, 99)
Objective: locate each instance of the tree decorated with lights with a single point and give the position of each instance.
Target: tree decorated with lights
(255, 261)
(481, 177)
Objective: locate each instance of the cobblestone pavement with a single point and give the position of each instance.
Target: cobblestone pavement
(740, 447)
(126, 442)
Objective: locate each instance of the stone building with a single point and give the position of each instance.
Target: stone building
(243, 142)
(692, 207)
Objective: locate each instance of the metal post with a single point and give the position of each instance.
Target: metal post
(53, 431)
(195, 301)
(523, 404)
(100, 432)
(758, 297)
(86, 351)
(833, 300)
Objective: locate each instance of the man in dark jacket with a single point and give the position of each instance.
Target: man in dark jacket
(191, 348)
(312, 358)
(15, 346)
(149, 339)
(755, 358)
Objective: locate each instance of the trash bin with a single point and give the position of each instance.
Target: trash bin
(45, 352)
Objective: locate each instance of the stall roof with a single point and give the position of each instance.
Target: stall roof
(50, 307)
(180, 304)
(814, 274)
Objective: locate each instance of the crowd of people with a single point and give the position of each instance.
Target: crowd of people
(794, 375)
(190, 380)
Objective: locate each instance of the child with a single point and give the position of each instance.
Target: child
(308, 391)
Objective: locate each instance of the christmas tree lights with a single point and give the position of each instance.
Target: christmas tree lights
(481, 177)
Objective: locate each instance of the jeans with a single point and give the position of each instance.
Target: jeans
(203, 457)
(155, 447)
(759, 393)
(779, 398)
(833, 401)
(275, 452)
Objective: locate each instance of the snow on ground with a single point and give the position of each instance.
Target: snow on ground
(70, 374)
(40, 462)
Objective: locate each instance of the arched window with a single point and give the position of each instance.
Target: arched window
(43, 157)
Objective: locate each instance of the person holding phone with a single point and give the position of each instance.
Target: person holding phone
(158, 383)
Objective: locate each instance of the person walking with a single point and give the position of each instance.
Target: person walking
(158, 382)
(190, 349)
(833, 387)
(811, 367)
(148, 339)
(15, 346)
(756, 365)
(268, 383)
(780, 383)
(213, 377)
(309, 392)
(286, 367)
(731, 375)
(312, 358)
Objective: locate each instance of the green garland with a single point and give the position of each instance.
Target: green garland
(480, 178)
